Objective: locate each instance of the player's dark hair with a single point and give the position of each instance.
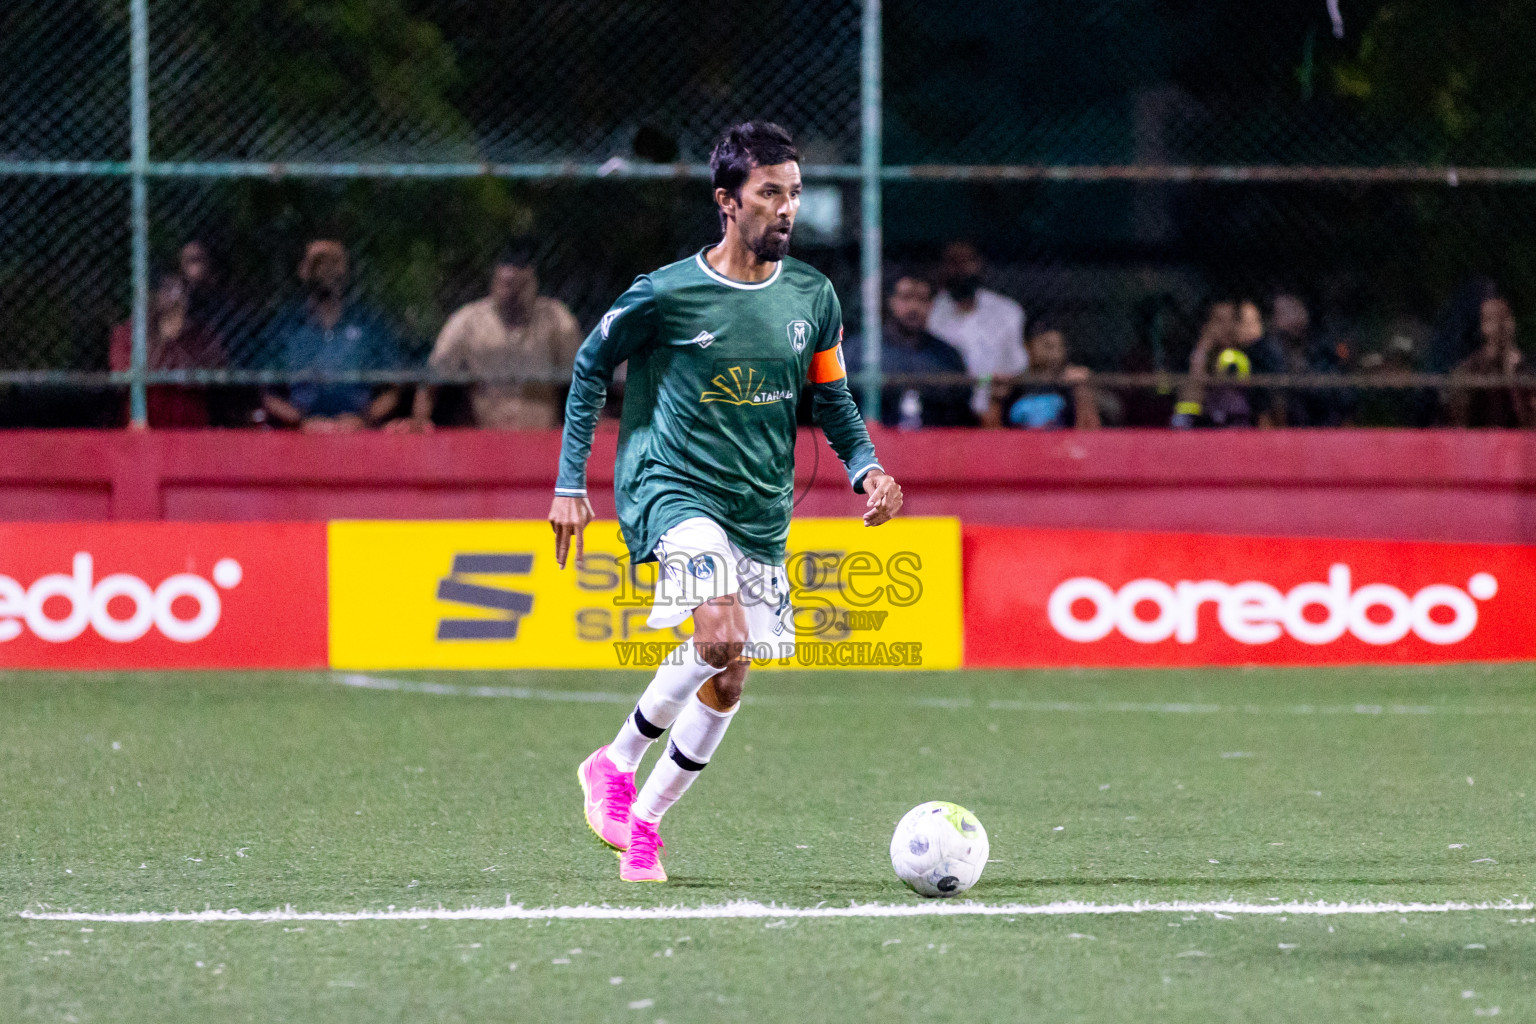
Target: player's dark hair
(742, 147)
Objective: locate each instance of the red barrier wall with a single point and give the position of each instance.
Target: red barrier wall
(1416, 485)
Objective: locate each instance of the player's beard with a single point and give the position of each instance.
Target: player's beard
(771, 246)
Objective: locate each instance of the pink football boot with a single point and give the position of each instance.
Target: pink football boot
(607, 794)
(642, 861)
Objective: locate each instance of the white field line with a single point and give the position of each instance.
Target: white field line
(751, 911)
(368, 682)
(451, 690)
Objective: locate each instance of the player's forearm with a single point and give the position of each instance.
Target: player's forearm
(833, 409)
(582, 408)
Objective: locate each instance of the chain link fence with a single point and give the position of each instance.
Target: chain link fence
(1119, 162)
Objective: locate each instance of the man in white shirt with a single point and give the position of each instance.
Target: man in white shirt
(986, 327)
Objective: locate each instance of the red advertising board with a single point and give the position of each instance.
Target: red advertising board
(163, 595)
(1088, 598)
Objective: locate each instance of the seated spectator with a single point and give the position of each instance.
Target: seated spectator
(1394, 407)
(514, 331)
(1160, 346)
(1071, 403)
(908, 350)
(1289, 347)
(207, 300)
(176, 341)
(328, 332)
(985, 327)
(212, 304)
(1499, 356)
(1213, 349)
(1458, 331)
(1250, 352)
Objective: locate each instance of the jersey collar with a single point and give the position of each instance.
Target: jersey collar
(715, 275)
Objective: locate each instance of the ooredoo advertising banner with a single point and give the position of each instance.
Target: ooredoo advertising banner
(1039, 598)
(489, 595)
(162, 595)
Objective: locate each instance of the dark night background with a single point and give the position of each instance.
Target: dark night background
(1061, 82)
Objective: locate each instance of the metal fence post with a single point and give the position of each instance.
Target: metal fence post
(138, 16)
(869, 236)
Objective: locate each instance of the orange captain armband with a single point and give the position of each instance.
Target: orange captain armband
(827, 366)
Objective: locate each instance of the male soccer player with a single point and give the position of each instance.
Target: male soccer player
(719, 346)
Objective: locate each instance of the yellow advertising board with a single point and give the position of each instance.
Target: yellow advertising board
(487, 595)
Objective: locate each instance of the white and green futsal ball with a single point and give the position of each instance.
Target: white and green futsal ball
(939, 849)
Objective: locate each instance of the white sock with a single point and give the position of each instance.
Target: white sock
(677, 679)
(696, 734)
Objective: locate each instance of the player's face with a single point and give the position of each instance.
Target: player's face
(770, 199)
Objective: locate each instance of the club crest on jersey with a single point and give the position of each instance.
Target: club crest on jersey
(799, 332)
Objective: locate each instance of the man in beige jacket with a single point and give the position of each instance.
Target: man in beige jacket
(519, 344)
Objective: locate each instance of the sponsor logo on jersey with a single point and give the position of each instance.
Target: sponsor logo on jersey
(743, 386)
(799, 332)
(609, 317)
(703, 339)
(511, 605)
(1086, 610)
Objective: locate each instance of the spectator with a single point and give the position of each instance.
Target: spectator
(1160, 346)
(514, 331)
(1071, 403)
(1498, 356)
(1394, 407)
(326, 332)
(1458, 330)
(1218, 334)
(211, 304)
(986, 328)
(907, 349)
(1249, 353)
(207, 300)
(1289, 347)
(176, 341)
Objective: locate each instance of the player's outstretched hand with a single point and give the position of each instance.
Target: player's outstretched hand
(569, 517)
(884, 498)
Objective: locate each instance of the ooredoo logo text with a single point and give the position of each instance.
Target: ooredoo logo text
(1150, 611)
(120, 607)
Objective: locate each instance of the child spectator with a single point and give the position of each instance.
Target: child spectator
(1072, 402)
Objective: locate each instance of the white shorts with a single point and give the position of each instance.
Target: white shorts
(697, 562)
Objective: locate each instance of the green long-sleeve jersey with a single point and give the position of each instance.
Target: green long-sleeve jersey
(716, 370)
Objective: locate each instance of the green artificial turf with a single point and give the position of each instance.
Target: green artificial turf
(256, 791)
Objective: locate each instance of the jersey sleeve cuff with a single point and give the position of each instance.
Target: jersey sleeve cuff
(570, 492)
(856, 477)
